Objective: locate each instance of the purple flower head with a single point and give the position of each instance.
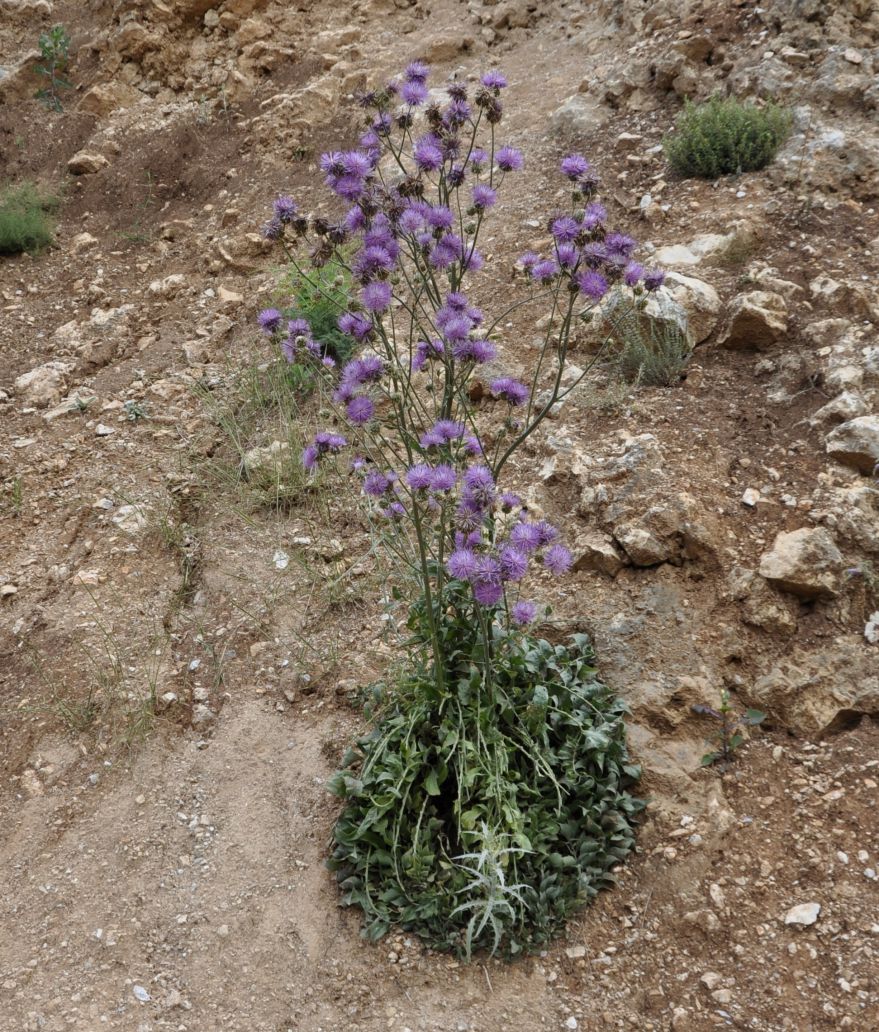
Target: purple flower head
(545, 271)
(354, 220)
(372, 261)
(324, 441)
(594, 255)
(557, 559)
(269, 319)
(514, 563)
(592, 284)
(446, 252)
(564, 229)
(526, 536)
(523, 613)
(375, 483)
(509, 159)
(456, 175)
(468, 516)
(328, 361)
(358, 371)
(382, 124)
(376, 296)
(478, 158)
(513, 392)
(420, 476)
(618, 245)
(574, 166)
(594, 216)
(394, 511)
(567, 255)
(272, 229)
(439, 217)
(547, 532)
(478, 351)
(284, 208)
(486, 581)
(441, 433)
(414, 93)
(425, 350)
(457, 112)
(472, 445)
(462, 564)
(528, 260)
(416, 71)
(493, 80)
(412, 219)
(473, 261)
(632, 274)
(483, 197)
(299, 328)
(443, 478)
(509, 501)
(428, 154)
(654, 278)
(360, 410)
(478, 486)
(355, 324)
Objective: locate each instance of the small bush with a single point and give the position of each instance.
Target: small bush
(649, 351)
(55, 60)
(320, 296)
(485, 820)
(25, 219)
(725, 136)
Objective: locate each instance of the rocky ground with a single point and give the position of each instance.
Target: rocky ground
(184, 624)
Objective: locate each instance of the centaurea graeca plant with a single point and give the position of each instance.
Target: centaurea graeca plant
(495, 732)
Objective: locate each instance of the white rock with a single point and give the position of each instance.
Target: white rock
(83, 163)
(43, 385)
(756, 320)
(871, 629)
(579, 114)
(102, 430)
(856, 443)
(804, 562)
(803, 914)
(129, 518)
(751, 497)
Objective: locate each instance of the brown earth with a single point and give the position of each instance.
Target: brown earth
(173, 696)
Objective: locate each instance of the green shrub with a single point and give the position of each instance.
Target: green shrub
(320, 296)
(55, 60)
(484, 816)
(25, 219)
(650, 350)
(725, 136)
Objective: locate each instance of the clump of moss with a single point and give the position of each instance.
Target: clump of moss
(725, 136)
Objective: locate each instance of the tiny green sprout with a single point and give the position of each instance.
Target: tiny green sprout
(728, 736)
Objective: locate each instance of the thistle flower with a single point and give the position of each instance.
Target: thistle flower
(360, 410)
(376, 484)
(509, 501)
(574, 166)
(461, 564)
(486, 581)
(513, 392)
(443, 478)
(653, 279)
(564, 229)
(545, 271)
(414, 93)
(514, 563)
(523, 613)
(557, 559)
(479, 486)
(428, 155)
(632, 274)
(493, 80)
(416, 71)
(424, 350)
(324, 441)
(376, 296)
(272, 229)
(509, 159)
(567, 255)
(478, 158)
(355, 324)
(269, 319)
(547, 532)
(618, 245)
(420, 476)
(483, 197)
(592, 284)
(594, 216)
(528, 260)
(526, 536)
(478, 351)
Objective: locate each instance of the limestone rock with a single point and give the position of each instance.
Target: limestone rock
(856, 443)
(85, 164)
(844, 407)
(266, 460)
(578, 115)
(44, 385)
(803, 914)
(100, 100)
(641, 546)
(756, 320)
(596, 551)
(804, 562)
(699, 300)
(812, 691)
